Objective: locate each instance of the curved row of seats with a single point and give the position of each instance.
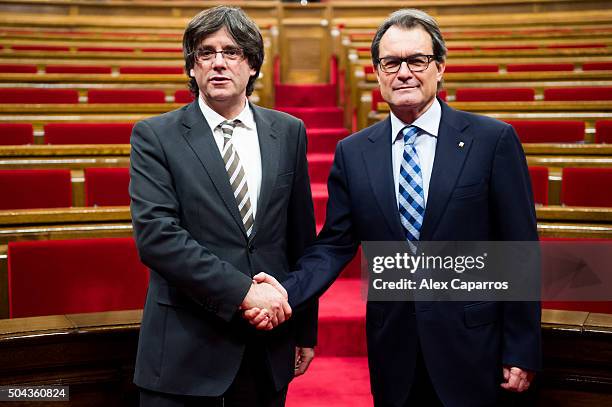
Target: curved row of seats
(52, 188)
(71, 96)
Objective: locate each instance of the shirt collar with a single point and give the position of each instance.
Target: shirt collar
(214, 119)
(428, 121)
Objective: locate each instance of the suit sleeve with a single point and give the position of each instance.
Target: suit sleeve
(515, 220)
(166, 247)
(335, 246)
(301, 231)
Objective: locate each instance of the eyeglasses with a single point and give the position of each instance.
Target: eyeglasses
(229, 54)
(416, 63)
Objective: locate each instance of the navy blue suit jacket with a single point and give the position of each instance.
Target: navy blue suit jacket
(478, 192)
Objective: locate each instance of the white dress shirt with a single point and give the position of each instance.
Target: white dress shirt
(425, 144)
(246, 145)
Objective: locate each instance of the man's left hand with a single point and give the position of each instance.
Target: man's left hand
(516, 379)
(303, 357)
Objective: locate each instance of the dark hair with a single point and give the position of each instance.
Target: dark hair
(410, 18)
(241, 28)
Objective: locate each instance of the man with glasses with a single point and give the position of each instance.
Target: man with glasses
(220, 191)
(427, 173)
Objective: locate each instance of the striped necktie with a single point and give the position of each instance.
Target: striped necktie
(237, 177)
(411, 201)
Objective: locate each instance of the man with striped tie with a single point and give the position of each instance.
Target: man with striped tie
(428, 173)
(220, 191)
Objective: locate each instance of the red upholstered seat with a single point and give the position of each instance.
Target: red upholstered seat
(164, 70)
(78, 69)
(459, 48)
(43, 48)
(539, 184)
(579, 93)
(586, 187)
(597, 66)
(160, 49)
(442, 94)
(51, 277)
(585, 45)
(107, 186)
(554, 263)
(549, 131)
(325, 140)
(18, 68)
(16, 133)
(126, 96)
(313, 95)
(376, 98)
(507, 47)
(603, 131)
(367, 69)
(494, 95)
(539, 67)
(36, 95)
(88, 133)
(105, 49)
(183, 96)
(319, 166)
(317, 117)
(27, 189)
(471, 68)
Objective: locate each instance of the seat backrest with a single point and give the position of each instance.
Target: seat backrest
(597, 66)
(49, 277)
(471, 68)
(160, 70)
(539, 67)
(107, 186)
(18, 68)
(586, 187)
(603, 131)
(29, 189)
(539, 184)
(38, 95)
(549, 131)
(578, 93)
(183, 96)
(16, 133)
(78, 69)
(88, 133)
(126, 96)
(494, 95)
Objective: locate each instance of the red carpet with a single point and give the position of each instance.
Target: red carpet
(338, 376)
(332, 381)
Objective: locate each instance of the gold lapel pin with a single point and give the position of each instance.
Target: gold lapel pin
(461, 144)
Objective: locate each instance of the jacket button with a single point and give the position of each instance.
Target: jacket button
(252, 249)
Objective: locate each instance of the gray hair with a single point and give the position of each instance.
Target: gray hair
(409, 18)
(239, 26)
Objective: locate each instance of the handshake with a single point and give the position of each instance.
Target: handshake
(266, 303)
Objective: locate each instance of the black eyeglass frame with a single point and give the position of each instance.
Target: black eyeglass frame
(240, 55)
(381, 63)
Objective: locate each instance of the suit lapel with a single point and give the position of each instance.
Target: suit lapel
(379, 167)
(452, 149)
(200, 139)
(270, 155)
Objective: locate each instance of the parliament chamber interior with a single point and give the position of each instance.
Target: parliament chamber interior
(76, 75)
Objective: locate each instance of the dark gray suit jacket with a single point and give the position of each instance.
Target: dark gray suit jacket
(189, 233)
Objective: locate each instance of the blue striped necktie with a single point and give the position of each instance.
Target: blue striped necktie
(411, 200)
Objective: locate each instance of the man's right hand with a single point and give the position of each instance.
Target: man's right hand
(266, 306)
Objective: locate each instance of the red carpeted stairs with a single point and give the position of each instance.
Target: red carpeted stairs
(338, 376)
